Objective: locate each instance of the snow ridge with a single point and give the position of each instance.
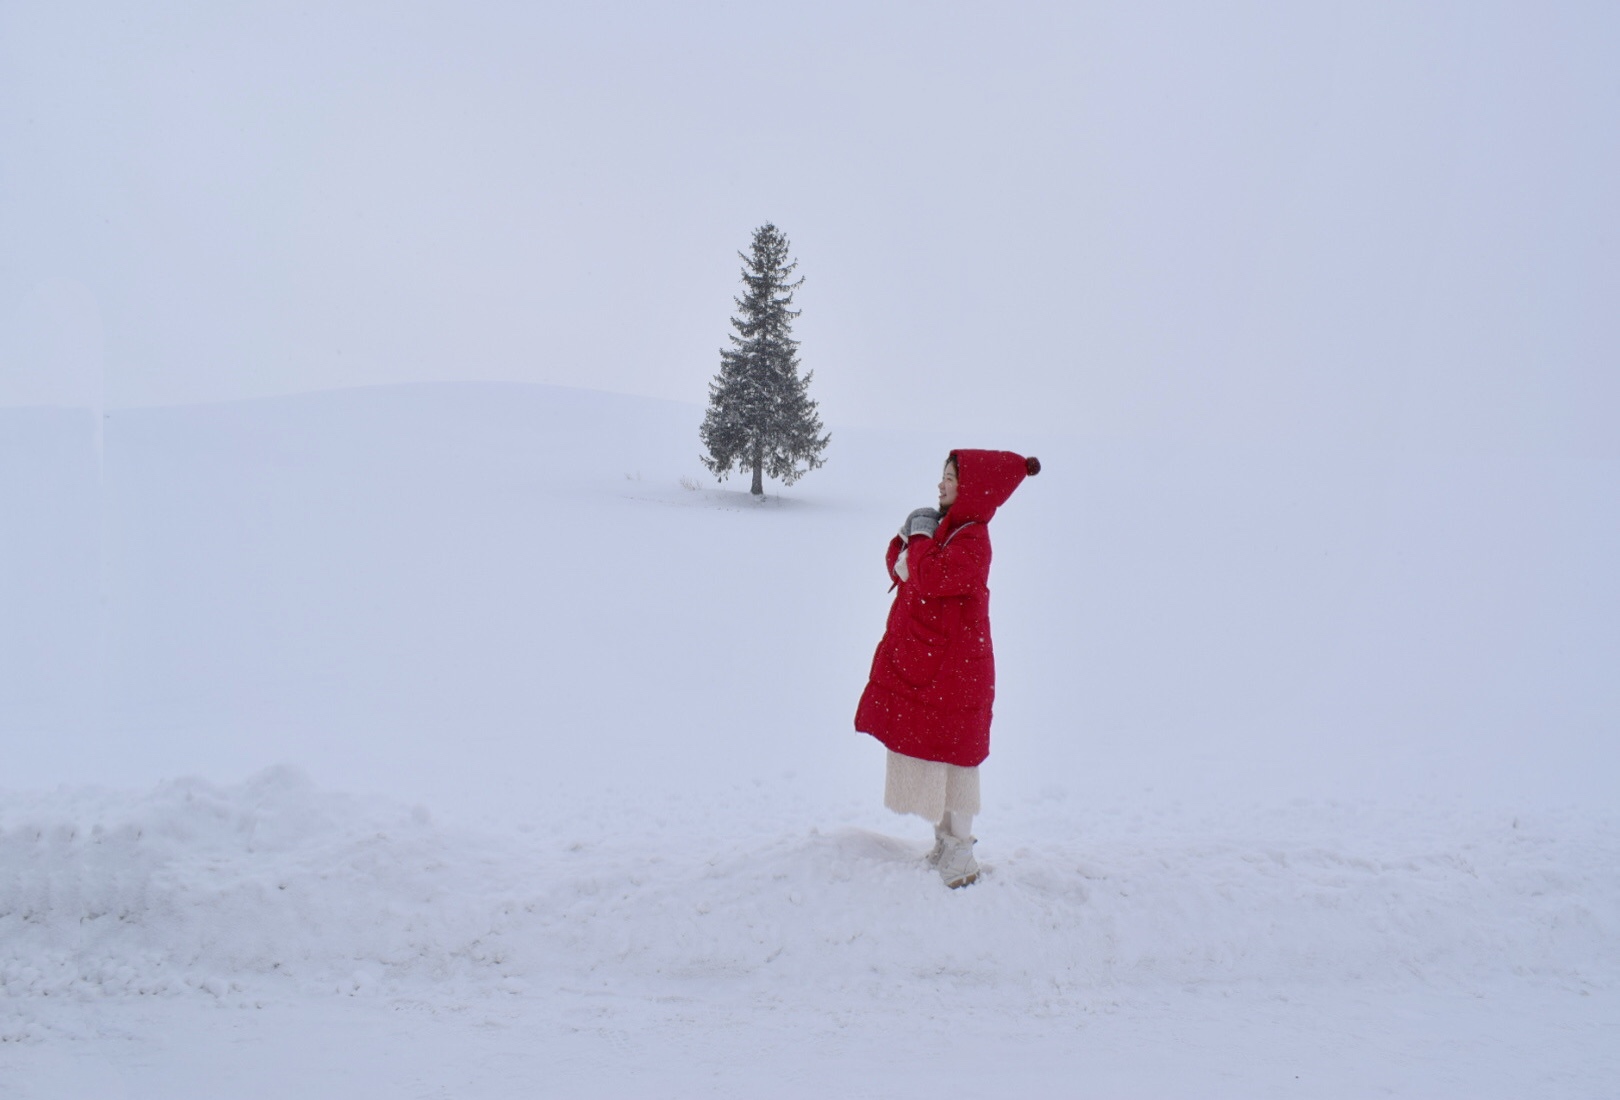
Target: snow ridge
(270, 886)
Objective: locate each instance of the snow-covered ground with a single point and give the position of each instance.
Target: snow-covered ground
(439, 741)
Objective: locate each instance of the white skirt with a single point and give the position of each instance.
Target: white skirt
(929, 788)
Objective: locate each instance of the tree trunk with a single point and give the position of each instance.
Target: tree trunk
(758, 488)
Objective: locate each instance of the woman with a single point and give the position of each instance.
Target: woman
(934, 675)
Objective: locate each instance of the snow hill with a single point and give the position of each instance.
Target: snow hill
(451, 703)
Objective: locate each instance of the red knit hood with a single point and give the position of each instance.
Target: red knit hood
(984, 481)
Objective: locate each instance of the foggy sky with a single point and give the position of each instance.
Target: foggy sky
(1387, 226)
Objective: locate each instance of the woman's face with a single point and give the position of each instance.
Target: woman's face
(947, 487)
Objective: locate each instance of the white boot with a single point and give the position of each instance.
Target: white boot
(940, 837)
(957, 867)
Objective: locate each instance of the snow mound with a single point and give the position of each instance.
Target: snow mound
(196, 886)
(858, 911)
(238, 892)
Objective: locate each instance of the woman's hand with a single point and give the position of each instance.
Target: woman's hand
(923, 521)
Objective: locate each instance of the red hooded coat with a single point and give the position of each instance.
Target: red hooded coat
(934, 675)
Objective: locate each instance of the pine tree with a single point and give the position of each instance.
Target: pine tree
(761, 417)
